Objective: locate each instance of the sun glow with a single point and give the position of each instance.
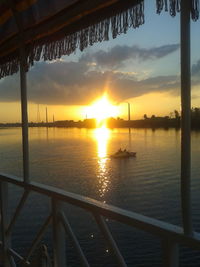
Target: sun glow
(101, 110)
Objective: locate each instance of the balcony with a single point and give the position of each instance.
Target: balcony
(80, 25)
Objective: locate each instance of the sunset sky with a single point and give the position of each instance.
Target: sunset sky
(141, 67)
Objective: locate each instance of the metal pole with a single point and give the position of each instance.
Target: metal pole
(38, 113)
(129, 111)
(186, 120)
(24, 114)
(46, 116)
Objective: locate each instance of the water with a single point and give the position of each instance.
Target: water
(77, 160)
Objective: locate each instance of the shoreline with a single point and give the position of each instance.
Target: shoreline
(150, 123)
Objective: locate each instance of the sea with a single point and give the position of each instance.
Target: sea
(78, 161)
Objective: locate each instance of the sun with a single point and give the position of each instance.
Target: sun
(102, 109)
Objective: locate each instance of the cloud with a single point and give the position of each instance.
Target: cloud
(194, 97)
(10, 89)
(117, 55)
(68, 83)
(196, 68)
(122, 88)
(79, 83)
(58, 83)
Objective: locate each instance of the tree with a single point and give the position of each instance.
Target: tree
(196, 113)
(145, 116)
(176, 114)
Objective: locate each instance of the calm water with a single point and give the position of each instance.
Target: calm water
(78, 160)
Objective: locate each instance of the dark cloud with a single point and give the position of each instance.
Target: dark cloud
(118, 54)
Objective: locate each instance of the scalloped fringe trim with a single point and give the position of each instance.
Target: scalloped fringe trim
(174, 6)
(132, 17)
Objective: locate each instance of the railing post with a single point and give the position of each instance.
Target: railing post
(186, 118)
(6, 241)
(58, 235)
(170, 253)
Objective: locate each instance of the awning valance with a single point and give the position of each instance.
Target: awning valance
(53, 28)
(174, 6)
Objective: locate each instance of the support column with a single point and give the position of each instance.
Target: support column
(24, 114)
(185, 118)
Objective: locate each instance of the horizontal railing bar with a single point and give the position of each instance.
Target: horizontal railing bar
(74, 240)
(144, 223)
(17, 211)
(111, 242)
(18, 256)
(39, 236)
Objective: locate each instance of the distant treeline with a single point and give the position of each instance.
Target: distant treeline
(171, 121)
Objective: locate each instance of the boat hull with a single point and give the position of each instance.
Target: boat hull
(123, 155)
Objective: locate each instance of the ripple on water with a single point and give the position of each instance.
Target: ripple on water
(78, 160)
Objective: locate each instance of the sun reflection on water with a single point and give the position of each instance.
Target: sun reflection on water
(102, 136)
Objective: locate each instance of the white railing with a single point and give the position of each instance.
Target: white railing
(171, 236)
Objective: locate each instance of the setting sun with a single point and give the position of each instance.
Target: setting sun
(101, 109)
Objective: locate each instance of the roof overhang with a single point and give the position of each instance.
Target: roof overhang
(51, 29)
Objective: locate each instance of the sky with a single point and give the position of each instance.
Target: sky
(141, 67)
